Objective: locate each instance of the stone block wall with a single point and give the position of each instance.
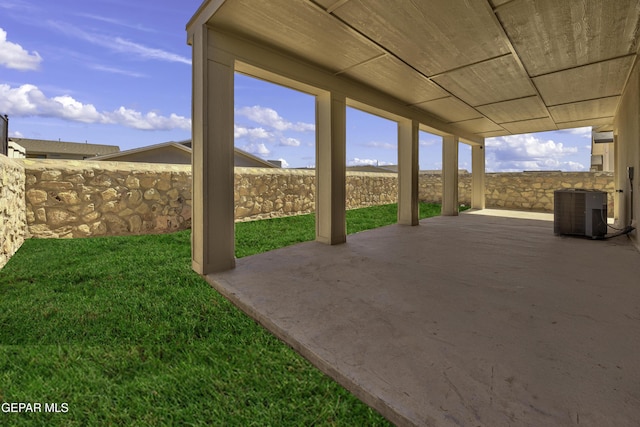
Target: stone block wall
(430, 187)
(80, 198)
(269, 193)
(519, 190)
(369, 189)
(534, 190)
(68, 198)
(13, 221)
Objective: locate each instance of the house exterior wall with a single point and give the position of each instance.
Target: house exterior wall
(13, 222)
(627, 132)
(93, 198)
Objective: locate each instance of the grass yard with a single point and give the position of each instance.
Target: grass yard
(121, 331)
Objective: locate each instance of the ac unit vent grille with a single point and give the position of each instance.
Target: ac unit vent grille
(580, 212)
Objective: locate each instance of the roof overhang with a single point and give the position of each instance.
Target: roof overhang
(485, 67)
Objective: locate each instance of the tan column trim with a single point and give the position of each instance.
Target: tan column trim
(212, 228)
(477, 177)
(450, 175)
(408, 167)
(331, 168)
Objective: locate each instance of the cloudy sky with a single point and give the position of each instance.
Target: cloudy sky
(118, 72)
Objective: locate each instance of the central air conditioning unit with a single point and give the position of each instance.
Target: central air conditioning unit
(580, 212)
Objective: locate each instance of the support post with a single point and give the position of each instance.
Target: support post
(450, 175)
(618, 198)
(477, 176)
(408, 206)
(212, 231)
(331, 118)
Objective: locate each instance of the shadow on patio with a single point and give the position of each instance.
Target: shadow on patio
(469, 320)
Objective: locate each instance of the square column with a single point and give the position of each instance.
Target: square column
(212, 230)
(408, 206)
(331, 168)
(477, 176)
(450, 175)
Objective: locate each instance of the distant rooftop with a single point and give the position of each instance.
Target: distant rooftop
(42, 146)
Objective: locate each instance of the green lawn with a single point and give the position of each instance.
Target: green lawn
(122, 331)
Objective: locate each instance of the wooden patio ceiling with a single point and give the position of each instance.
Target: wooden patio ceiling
(488, 67)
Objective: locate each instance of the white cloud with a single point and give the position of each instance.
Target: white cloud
(362, 162)
(118, 44)
(257, 148)
(117, 22)
(16, 134)
(68, 108)
(270, 117)
(383, 145)
(290, 142)
(14, 56)
(584, 132)
(149, 121)
(429, 143)
(29, 100)
(125, 46)
(251, 133)
(114, 70)
(284, 163)
(527, 152)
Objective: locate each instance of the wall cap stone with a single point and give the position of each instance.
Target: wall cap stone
(82, 165)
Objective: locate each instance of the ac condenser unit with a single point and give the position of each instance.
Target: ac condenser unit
(580, 212)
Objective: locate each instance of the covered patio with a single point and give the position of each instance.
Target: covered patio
(475, 320)
(459, 69)
(462, 320)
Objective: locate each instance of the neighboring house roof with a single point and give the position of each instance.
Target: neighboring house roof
(43, 146)
(179, 153)
(242, 158)
(167, 152)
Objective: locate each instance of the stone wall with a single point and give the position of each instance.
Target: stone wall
(13, 222)
(519, 190)
(534, 190)
(80, 198)
(269, 193)
(88, 198)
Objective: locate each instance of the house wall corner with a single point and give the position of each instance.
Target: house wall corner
(13, 220)
(627, 131)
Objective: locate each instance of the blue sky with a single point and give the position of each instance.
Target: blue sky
(118, 72)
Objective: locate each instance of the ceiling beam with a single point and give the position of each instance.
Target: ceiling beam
(273, 65)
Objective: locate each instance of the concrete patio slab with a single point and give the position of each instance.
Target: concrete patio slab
(473, 320)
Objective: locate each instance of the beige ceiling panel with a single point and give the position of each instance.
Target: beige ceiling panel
(493, 134)
(517, 109)
(392, 76)
(329, 3)
(599, 80)
(551, 35)
(529, 126)
(450, 109)
(488, 82)
(497, 3)
(299, 28)
(433, 36)
(478, 125)
(604, 107)
(604, 121)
